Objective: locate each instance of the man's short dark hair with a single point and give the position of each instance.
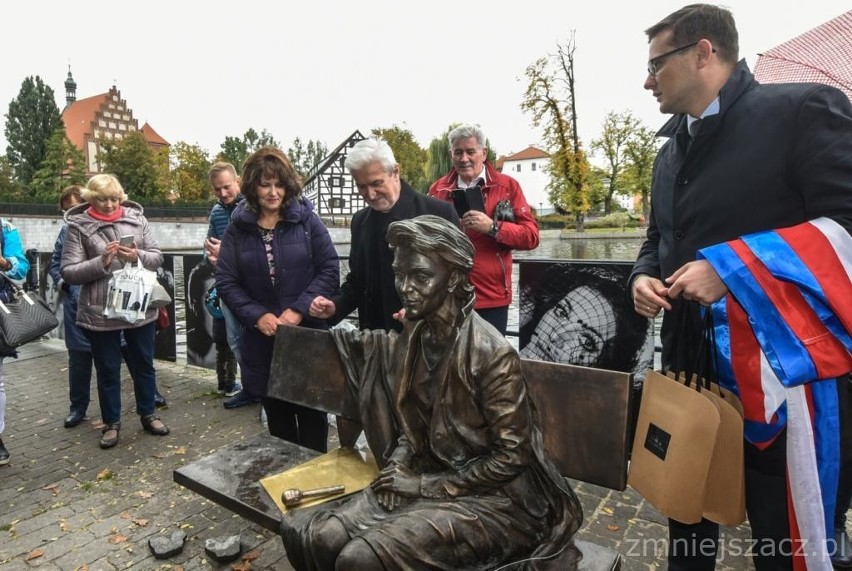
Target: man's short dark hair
(699, 22)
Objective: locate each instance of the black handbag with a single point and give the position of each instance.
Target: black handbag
(24, 318)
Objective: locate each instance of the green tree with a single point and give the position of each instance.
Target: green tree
(64, 164)
(303, 157)
(598, 185)
(233, 151)
(236, 150)
(10, 189)
(618, 128)
(408, 153)
(641, 150)
(188, 176)
(136, 165)
(32, 118)
(549, 98)
(438, 160)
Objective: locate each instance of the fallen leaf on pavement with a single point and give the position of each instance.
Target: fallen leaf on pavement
(251, 555)
(125, 515)
(181, 450)
(145, 495)
(117, 538)
(140, 522)
(63, 525)
(34, 554)
(241, 566)
(104, 474)
(612, 527)
(53, 489)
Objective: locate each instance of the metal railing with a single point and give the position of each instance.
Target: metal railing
(11, 209)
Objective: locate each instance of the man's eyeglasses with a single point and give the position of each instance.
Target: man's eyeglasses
(654, 64)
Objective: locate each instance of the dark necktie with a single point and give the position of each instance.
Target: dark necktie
(694, 127)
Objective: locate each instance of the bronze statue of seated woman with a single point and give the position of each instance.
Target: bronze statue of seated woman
(464, 482)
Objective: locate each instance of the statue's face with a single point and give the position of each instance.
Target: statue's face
(421, 281)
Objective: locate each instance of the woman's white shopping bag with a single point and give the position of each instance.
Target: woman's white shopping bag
(129, 293)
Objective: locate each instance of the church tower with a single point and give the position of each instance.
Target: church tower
(70, 89)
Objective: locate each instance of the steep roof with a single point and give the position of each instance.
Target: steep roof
(78, 118)
(820, 55)
(152, 136)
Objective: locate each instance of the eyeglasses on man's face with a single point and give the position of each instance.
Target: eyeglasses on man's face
(654, 64)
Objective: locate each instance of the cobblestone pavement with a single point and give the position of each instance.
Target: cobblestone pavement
(66, 504)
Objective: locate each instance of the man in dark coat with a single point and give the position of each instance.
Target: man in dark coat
(369, 285)
(741, 158)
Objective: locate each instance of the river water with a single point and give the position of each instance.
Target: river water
(551, 247)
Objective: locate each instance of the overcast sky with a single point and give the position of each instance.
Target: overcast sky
(201, 71)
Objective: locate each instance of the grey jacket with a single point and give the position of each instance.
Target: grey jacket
(82, 263)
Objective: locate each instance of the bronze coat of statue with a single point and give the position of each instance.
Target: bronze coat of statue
(464, 480)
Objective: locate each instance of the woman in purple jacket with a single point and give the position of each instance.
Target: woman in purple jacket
(276, 256)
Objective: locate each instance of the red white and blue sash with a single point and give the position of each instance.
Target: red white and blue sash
(784, 326)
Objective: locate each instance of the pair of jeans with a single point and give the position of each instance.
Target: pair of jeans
(79, 379)
(2, 399)
(139, 355)
(234, 329)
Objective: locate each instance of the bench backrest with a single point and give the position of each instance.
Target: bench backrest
(583, 412)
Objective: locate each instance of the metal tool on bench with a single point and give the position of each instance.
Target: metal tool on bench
(295, 496)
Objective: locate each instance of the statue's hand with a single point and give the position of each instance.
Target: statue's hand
(388, 500)
(397, 479)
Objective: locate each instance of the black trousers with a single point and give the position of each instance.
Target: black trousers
(496, 316)
(844, 487)
(694, 547)
(296, 423)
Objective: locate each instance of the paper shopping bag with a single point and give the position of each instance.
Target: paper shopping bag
(675, 439)
(724, 494)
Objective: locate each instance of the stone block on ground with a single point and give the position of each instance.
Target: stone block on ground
(223, 549)
(164, 547)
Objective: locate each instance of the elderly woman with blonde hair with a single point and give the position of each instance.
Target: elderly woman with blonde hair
(93, 250)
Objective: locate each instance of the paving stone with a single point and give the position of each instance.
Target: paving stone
(38, 522)
(64, 543)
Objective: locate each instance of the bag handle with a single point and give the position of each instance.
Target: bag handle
(694, 366)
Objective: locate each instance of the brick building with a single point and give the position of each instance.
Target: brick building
(99, 117)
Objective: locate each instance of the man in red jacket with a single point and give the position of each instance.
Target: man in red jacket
(502, 222)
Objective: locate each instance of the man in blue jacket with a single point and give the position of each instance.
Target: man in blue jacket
(225, 184)
(741, 157)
